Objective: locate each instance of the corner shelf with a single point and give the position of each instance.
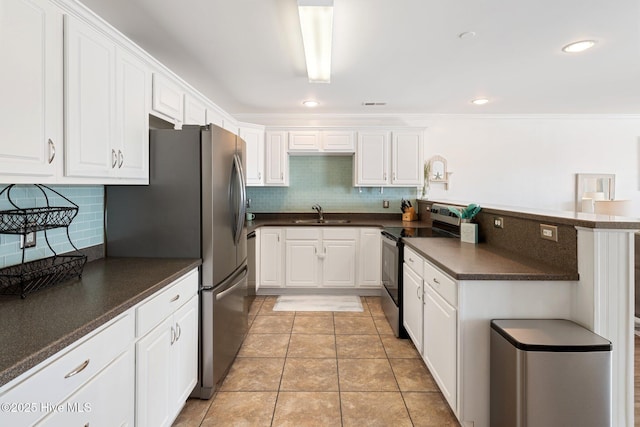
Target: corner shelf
(30, 276)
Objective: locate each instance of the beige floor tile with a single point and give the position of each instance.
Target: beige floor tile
(267, 308)
(382, 325)
(255, 305)
(312, 346)
(264, 345)
(374, 409)
(272, 324)
(413, 375)
(314, 313)
(355, 325)
(375, 306)
(399, 348)
(192, 413)
(312, 325)
(359, 347)
(254, 374)
(366, 375)
(310, 375)
(306, 409)
(240, 409)
(429, 410)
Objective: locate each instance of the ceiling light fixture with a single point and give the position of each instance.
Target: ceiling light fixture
(579, 46)
(310, 103)
(480, 101)
(316, 22)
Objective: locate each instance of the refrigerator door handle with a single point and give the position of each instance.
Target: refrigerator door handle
(239, 282)
(241, 209)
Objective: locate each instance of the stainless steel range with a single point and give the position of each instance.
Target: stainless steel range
(445, 224)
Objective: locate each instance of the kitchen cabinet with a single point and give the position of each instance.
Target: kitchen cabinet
(370, 258)
(106, 109)
(31, 83)
(321, 141)
(167, 100)
(276, 159)
(389, 158)
(412, 297)
(338, 141)
(195, 113)
(167, 356)
(253, 135)
(90, 369)
(303, 141)
(269, 268)
(321, 256)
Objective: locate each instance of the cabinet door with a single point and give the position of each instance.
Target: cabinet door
(277, 164)
(167, 99)
(412, 305)
(195, 113)
(304, 141)
(89, 101)
(31, 87)
(338, 141)
(133, 86)
(185, 349)
(154, 396)
(302, 266)
(270, 267)
(406, 158)
(107, 400)
(440, 350)
(254, 139)
(214, 116)
(372, 158)
(370, 258)
(338, 263)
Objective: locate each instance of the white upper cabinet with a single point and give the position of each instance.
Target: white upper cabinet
(90, 104)
(31, 86)
(253, 135)
(372, 159)
(195, 113)
(167, 100)
(107, 97)
(406, 158)
(389, 158)
(321, 142)
(214, 116)
(276, 159)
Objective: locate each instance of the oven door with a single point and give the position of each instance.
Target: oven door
(390, 265)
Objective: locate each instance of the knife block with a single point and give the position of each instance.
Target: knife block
(410, 214)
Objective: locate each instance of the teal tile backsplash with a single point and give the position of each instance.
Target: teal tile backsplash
(86, 229)
(327, 180)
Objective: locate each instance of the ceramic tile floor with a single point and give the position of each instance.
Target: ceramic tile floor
(322, 369)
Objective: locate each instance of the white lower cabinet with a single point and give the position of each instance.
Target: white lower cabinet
(370, 258)
(412, 305)
(167, 356)
(269, 268)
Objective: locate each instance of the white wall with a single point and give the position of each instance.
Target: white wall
(532, 161)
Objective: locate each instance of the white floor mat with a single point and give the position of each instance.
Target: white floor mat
(318, 303)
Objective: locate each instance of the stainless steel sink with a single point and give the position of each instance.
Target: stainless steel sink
(324, 221)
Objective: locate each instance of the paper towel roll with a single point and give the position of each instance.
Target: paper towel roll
(613, 207)
(587, 204)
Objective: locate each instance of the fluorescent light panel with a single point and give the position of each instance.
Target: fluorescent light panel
(316, 22)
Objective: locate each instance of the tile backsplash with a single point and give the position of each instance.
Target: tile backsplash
(327, 180)
(86, 229)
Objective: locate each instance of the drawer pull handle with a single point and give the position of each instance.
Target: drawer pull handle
(418, 293)
(175, 298)
(436, 281)
(52, 151)
(411, 259)
(79, 369)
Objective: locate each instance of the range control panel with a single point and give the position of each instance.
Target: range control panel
(443, 213)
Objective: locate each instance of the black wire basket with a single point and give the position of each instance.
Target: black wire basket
(30, 276)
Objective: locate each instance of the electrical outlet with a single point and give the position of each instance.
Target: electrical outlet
(549, 232)
(498, 222)
(385, 204)
(28, 240)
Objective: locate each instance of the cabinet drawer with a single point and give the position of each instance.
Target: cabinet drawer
(158, 307)
(303, 233)
(64, 375)
(413, 260)
(445, 286)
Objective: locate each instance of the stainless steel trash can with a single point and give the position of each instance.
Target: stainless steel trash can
(549, 372)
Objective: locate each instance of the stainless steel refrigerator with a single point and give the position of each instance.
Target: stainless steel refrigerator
(193, 207)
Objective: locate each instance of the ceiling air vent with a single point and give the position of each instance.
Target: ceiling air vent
(373, 104)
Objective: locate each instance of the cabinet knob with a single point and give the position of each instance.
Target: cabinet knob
(52, 150)
(114, 158)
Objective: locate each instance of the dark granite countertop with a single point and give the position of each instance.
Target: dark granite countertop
(49, 320)
(467, 261)
(355, 220)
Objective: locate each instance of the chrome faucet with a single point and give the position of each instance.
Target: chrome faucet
(318, 208)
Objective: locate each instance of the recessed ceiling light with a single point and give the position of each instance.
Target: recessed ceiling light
(480, 101)
(579, 46)
(310, 103)
(467, 35)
